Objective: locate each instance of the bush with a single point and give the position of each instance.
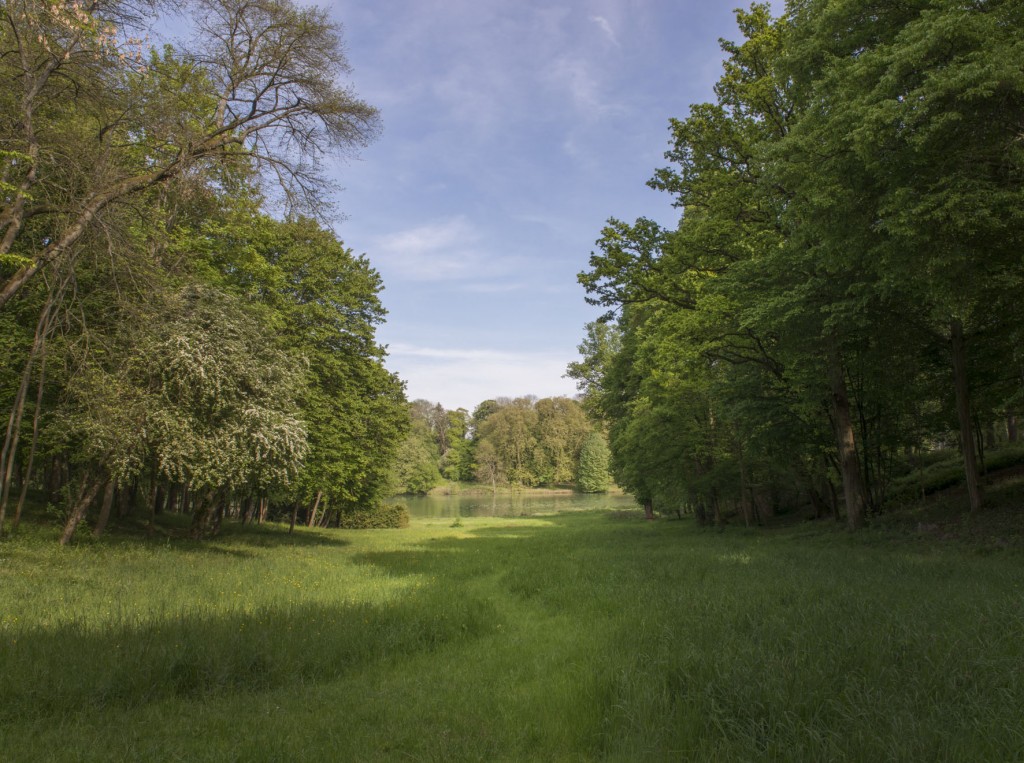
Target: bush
(380, 517)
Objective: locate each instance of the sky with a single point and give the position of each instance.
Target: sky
(512, 130)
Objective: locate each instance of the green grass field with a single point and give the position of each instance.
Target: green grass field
(592, 636)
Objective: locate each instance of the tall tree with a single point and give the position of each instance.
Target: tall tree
(922, 104)
(92, 124)
(593, 476)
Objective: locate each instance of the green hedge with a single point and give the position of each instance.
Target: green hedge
(383, 516)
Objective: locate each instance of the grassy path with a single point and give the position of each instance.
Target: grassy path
(576, 637)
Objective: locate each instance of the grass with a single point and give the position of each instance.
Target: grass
(584, 636)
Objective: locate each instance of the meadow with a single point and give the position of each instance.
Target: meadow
(584, 636)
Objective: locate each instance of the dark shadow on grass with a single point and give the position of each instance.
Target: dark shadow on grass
(174, 530)
(56, 671)
(188, 655)
(271, 534)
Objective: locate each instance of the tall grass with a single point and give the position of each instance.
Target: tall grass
(574, 637)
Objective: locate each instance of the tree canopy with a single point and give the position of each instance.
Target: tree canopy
(181, 319)
(841, 286)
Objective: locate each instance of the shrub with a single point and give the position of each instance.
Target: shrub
(381, 516)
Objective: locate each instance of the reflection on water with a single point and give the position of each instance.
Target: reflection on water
(519, 504)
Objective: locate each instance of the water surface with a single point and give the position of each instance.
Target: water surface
(515, 505)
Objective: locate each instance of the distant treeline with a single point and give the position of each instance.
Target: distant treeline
(522, 442)
(842, 293)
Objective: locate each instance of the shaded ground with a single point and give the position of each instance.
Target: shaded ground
(944, 515)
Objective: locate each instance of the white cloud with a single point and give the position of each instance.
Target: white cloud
(466, 377)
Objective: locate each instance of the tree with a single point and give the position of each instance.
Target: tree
(140, 177)
(457, 460)
(683, 294)
(850, 210)
(489, 464)
(261, 87)
(480, 414)
(200, 394)
(560, 431)
(511, 433)
(327, 303)
(415, 469)
(593, 469)
(921, 104)
(598, 349)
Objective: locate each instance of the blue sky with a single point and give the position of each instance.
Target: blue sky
(512, 130)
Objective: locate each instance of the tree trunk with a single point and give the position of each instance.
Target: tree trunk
(172, 498)
(316, 504)
(35, 440)
(59, 476)
(13, 433)
(980, 445)
(222, 507)
(204, 505)
(1011, 426)
(963, 413)
(10, 446)
(90, 487)
(849, 466)
(699, 511)
(151, 524)
(154, 490)
(133, 498)
(104, 517)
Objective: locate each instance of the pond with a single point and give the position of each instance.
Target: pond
(509, 505)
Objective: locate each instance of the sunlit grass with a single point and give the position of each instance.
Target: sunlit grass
(583, 636)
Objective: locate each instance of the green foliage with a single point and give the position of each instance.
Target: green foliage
(457, 461)
(602, 342)
(850, 204)
(383, 516)
(415, 468)
(194, 342)
(530, 442)
(561, 431)
(520, 442)
(593, 476)
(199, 393)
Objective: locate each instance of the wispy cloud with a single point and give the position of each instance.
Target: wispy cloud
(439, 250)
(495, 287)
(606, 27)
(578, 77)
